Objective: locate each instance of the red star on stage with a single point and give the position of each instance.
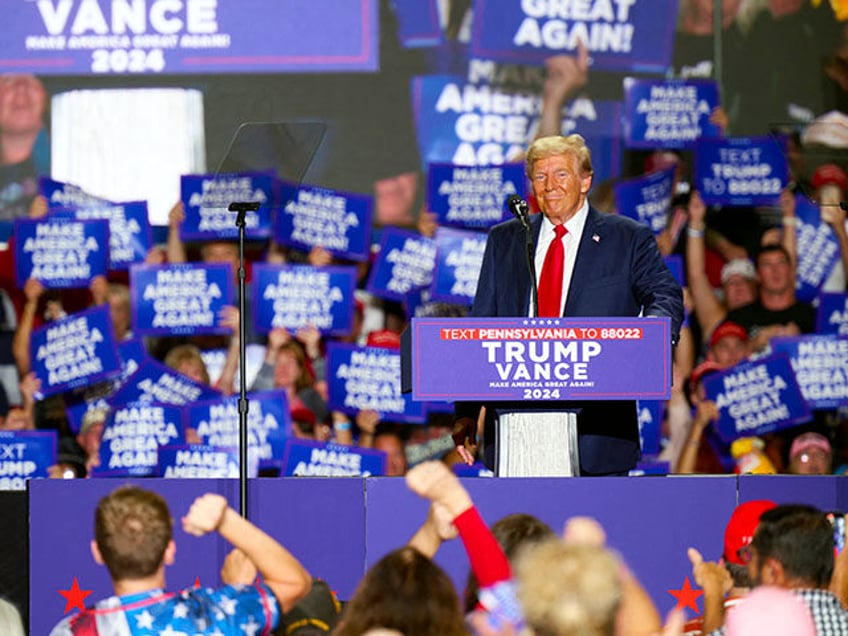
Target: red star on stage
(74, 597)
(687, 596)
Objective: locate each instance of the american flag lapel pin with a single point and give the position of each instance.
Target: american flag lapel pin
(596, 238)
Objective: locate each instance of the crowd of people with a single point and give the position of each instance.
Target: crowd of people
(780, 573)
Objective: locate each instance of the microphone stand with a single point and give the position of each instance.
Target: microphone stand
(531, 265)
(242, 208)
(521, 211)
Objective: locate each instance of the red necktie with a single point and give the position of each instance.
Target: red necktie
(550, 282)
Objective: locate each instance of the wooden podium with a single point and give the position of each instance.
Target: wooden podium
(527, 362)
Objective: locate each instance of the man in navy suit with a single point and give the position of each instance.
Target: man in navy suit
(612, 267)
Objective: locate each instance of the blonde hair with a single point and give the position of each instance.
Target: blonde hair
(10, 619)
(568, 590)
(187, 353)
(554, 145)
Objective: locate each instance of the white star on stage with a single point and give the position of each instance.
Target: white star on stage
(251, 627)
(144, 620)
(228, 605)
(180, 610)
(170, 631)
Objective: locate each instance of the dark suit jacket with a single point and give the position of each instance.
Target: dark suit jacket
(618, 272)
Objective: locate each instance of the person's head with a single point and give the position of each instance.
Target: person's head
(221, 252)
(738, 534)
(560, 170)
(303, 422)
(774, 270)
(118, 297)
(568, 589)
(792, 548)
(739, 283)
(696, 379)
(91, 431)
(830, 183)
(22, 104)
(133, 533)
(770, 610)
(18, 419)
(11, 623)
(811, 454)
(186, 359)
(290, 370)
(390, 442)
(513, 533)
(407, 592)
(729, 344)
(696, 16)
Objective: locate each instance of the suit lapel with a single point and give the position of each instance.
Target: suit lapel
(588, 254)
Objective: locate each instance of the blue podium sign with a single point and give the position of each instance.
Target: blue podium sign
(541, 359)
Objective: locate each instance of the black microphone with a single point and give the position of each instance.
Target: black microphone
(519, 208)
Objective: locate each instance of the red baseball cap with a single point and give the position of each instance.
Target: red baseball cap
(726, 329)
(742, 526)
(830, 173)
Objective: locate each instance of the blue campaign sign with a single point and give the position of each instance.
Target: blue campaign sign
(60, 252)
(820, 363)
(817, 249)
(473, 196)
(184, 298)
(66, 195)
(130, 236)
(832, 314)
(636, 35)
(676, 267)
(268, 425)
(340, 222)
(75, 351)
(646, 199)
(756, 397)
(132, 353)
(418, 23)
(155, 382)
(307, 458)
(25, 455)
(362, 378)
(405, 263)
(196, 461)
(132, 436)
(459, 256)
(740, 171)
(455, 123)
(650, 424)
(669, 114)
(80, 401)
(101, 37)
(650, 468)
(292, 296)
(475, 470)
(206, 199)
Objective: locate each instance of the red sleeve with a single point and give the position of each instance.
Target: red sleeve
(488, 561)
